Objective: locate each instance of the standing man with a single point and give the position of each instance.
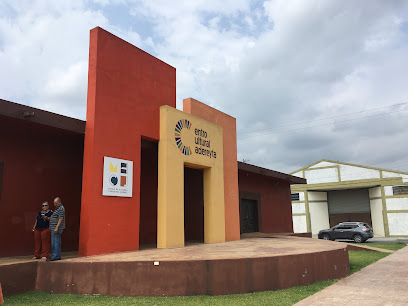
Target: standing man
(57, 225)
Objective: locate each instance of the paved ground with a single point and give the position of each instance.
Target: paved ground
(245, 248)
(269, 245)
(382, 283)
(388, 240)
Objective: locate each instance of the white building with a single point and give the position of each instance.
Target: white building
(338, 192)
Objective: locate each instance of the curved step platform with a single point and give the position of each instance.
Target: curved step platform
(248, 265)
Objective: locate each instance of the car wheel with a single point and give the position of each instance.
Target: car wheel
(326, 237)
(358, 238)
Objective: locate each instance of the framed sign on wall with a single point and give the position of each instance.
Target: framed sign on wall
(117, 177)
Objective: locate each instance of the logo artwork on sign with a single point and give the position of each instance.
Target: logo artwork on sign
(184, 123)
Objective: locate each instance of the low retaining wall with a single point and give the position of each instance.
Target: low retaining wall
(198, 277)
(18, 278)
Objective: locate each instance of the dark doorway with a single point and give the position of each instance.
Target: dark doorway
(193, 205)
(249, 216)
(148, 193)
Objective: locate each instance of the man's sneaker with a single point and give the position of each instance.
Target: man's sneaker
(44, 258)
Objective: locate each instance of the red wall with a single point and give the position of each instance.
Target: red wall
(40, 163)
(276, 205)
(126, 87)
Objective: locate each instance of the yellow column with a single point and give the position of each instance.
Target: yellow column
(172, 158)
(214, 217)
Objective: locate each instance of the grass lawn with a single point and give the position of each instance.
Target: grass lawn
(387, 246)
(358, 260)
(361, 259)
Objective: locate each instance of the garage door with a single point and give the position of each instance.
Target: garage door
(349, 205)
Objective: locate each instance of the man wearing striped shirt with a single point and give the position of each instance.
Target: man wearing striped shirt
(57, 225)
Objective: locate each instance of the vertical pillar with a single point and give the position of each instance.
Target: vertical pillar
(214, 218)
(126, 87)
(174, 153)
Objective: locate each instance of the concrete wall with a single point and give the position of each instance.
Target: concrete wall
(397, 212)
(351, 173)
(397, 223)
(299, 214)
(299, 224)
(321, 175)
(319, 212)
(377, 219)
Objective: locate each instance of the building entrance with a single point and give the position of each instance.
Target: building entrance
(249, 216)
(193, 205)
(148, 193)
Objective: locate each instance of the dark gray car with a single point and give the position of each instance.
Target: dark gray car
(357, 231)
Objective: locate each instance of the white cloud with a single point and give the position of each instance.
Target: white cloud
(269, 65)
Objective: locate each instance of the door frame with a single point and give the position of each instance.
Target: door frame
(255, 196)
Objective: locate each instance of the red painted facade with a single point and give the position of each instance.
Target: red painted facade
(275, 214)
(46, 155)
(126, 87)
(40, 163)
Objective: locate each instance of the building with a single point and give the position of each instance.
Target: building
(138, 171)
(338, 192)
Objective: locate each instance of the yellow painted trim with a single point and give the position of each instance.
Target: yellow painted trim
(327, 167)
(308, 166)
(318, 201)
(338, 172)
(398, 236)
(320, 168)
(308, 223)
(397, 196)
(347, 184)
(298, 201)
(385, 216)
(299, 214)
(349, 164)
(381, 174)
(403, 211)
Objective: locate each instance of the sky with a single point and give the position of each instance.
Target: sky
(306, 80)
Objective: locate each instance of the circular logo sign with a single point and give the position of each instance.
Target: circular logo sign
(181, 124)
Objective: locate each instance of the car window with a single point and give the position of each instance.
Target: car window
(341, 227)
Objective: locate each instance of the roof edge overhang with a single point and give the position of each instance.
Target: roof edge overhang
(271, 173)
(35, 115)
(369, 183)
